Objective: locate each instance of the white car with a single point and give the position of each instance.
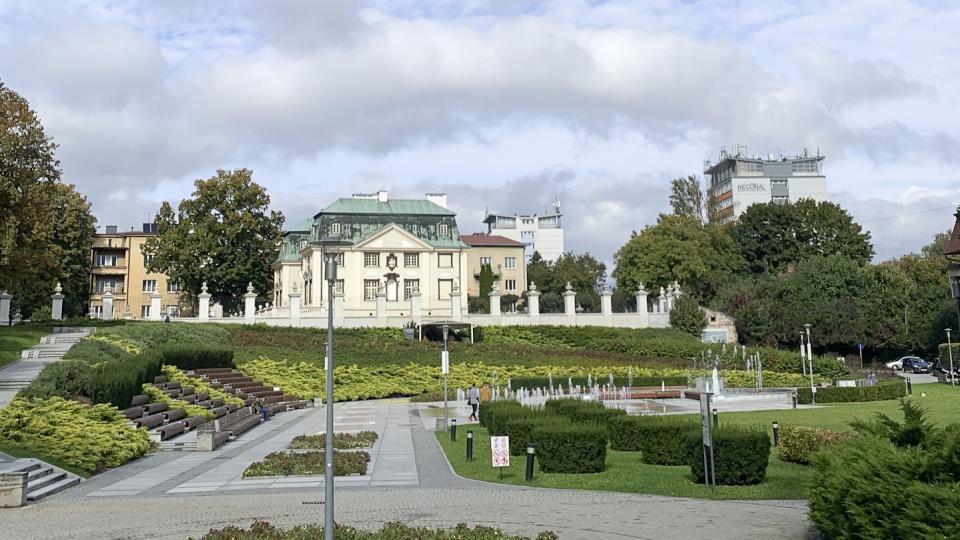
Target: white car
(897, 364)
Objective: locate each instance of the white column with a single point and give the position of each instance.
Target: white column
(107, 303)
(533, 303)
(56, 309)
(415, 307)
(455, 307)
(294, 306)
(250, 305)
(5, 298)
(606, 302)
(382, 307)
(339, 310)
(495, 304)
(204, 301)
(662, 301)
(155, 314)
(570, 303)
(643, 312)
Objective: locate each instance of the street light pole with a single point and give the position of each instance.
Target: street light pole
(950, 351)
(445, 366)
(813, 391)
(803, 354)
(328, 523)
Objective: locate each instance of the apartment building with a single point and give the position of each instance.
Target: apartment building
(117, 261)
(538, 233)
(738, 180)
(505, 257)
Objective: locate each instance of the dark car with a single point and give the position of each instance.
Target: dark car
(938, 367)
(915, 365)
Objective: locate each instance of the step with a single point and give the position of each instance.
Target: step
(44, 481)
(20, 465)
(37, 473)
(53, 488)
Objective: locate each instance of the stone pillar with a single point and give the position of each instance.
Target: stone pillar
(339, 310)
(662, 301)
(533, 303)
(606, 301)
(155, 314)
(13, 488)
(643, 312)
(250, 305)
(570, 303)
(415, 307)
(294, 306)
(107, 303)
(495, 303)
(5, 308)
(382, 307)
(204, 300)
(455, 308)
(56, 310)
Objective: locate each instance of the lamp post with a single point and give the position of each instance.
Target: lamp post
(803, 354)
(330, 248)
(445, 367)
(813, 391)
(950, 352)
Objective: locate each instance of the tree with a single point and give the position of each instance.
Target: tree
(934, 250)
(70, 245)
(224, 235)
(687, 316)
(678, 248)
(686, 197)
(585, 274)
(772, 236)
(28, 171)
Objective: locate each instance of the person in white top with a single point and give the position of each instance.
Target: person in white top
(473, 399)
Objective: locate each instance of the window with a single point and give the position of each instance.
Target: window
(444, 288)
(781, 200)
(106, 260)
(339, 259)
(805, 166)
(443, 230)
(445, 260)
(116, 286)
(410, 286)
(149, 285)
(145, 312)
(749, 167)
(301, 245)
(370, 289)
(371, 259)
(173, 287)
(338, 287)
(147, 258)
(511, 284)
(510, 262)
(411, 260)
(486, 261)
(334, 229)
(96, 311)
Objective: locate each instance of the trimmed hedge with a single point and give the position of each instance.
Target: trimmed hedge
(498, 412)
(196, 357)
(798, 443)
(661, 440)
(740, 455)
(544, 382)
(564, 447)
(837, 394)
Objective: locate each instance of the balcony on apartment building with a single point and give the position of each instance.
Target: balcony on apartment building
(109, 270)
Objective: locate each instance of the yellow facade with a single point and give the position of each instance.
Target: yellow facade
(117, 259)
(508, 263)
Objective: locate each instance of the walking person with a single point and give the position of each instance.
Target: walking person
(473, 399)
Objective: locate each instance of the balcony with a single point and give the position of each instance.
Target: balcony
(116, 291)
(496, 272)
(108, 243)
(118, 270)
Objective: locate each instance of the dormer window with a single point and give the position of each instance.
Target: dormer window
(334, 229)
(443, 229)
(303, 244)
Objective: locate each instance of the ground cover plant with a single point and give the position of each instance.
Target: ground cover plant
(341, 441)
(262, 530)
(200, 386)
(308, 463)
(798, 443)
(157, 395)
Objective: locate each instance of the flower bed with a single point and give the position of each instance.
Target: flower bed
(262, 530)
(341, 441)
(308, 463)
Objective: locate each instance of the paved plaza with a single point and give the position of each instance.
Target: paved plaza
(178, 494)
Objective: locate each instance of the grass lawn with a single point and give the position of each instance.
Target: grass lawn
(16, 451)
(15, 339)
(625, 473)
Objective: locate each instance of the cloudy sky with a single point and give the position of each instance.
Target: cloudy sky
(503, 104)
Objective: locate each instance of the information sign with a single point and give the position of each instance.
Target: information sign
(500, 451)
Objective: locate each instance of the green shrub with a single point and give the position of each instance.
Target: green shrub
(308, 463)
(583, 411)
(836, 394)
(798, 443)
(496, 413)
(521, 429)
(740, 455)
(42, 314)
(261, 530)
(661, 440)
(544, 382)
(341, 441)
(195, 357)
(570, 448)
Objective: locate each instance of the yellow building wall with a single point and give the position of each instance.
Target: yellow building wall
(132, 269)
(498, 256)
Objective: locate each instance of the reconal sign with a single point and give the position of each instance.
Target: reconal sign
(751, 186)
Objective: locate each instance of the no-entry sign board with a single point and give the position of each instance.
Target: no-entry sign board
(500, 451)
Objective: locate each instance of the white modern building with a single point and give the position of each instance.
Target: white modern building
(739, 180)
(538, 233)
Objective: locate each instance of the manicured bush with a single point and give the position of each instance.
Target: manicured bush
(798, 443)
(584, 411)
(308, 463)
(740, 455)
(661, 440)
(195, 357)
(521, 429)
(836, 394)
(262, 530)
(570, 448)
(499, 413)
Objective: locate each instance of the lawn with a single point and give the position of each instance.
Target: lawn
(15, 339)
(625, 473)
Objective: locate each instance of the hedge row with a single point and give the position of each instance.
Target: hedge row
(544, 382)
(837, 394)
(798, 443)
(740, 455)
(661, 440)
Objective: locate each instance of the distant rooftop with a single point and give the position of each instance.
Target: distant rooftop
(480, 239)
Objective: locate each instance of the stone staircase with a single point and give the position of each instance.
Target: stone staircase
(18, 375)
(43, 480)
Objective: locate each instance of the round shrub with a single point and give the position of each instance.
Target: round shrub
(498, 412)
(520, 429)
(570, 448)
(797, 443)
(740, 455)
(661, 440)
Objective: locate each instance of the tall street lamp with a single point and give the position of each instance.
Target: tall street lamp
(445, 367)
(813, 391)
(803, 354)
(950, 351)
(331, 247)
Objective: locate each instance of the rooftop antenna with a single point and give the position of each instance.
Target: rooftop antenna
(556, 205)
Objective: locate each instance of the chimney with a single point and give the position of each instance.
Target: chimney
(439, 199)
(111, 229)
(382, 196)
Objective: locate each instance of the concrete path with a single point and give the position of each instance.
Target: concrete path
(18, 375)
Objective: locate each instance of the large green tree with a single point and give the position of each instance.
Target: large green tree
(678, 248)
(74, 228)
(224, 235)
(772, 236)
(584, 272)
(686, 197)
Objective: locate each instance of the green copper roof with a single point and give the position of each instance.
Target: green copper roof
(305, 226)
(417, 207)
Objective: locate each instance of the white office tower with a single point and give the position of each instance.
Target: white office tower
(540, 233)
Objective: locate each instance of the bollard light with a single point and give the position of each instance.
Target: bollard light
(469, 445)
(716, 419)
(531, 452)
(776, 433)
(794, 396)
(909, 387)
(453, 430)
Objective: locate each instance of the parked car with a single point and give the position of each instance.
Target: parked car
(914, 364)
(938, 367)
(896, 364)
